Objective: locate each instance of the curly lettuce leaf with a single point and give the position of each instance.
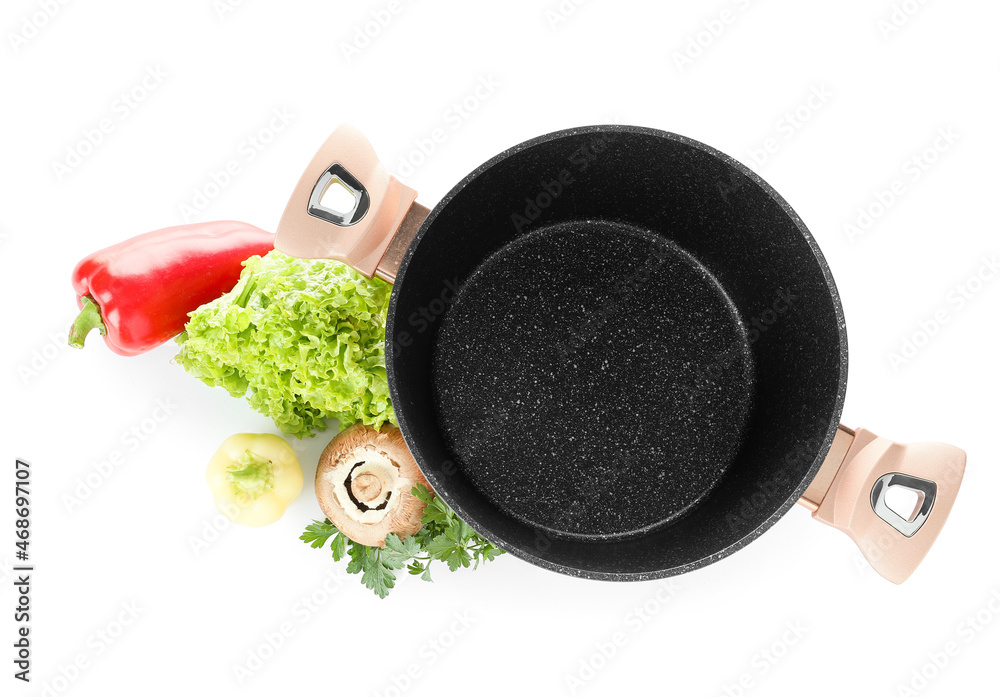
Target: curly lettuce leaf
(302, 339)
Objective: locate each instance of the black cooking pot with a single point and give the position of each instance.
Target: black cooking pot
(618, 353)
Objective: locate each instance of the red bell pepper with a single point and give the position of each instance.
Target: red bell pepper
(139, 292)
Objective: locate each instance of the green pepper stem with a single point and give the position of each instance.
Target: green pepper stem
(251, 475)
(88, 320)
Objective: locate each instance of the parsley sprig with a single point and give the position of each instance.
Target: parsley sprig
(444, 537)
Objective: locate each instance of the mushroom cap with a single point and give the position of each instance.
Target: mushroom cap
(363, 484)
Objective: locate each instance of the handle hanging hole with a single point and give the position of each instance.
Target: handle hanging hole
(338, 197)
(902, 501)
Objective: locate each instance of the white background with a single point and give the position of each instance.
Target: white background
(201, 612)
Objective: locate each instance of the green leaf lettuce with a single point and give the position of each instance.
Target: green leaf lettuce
(302, 339)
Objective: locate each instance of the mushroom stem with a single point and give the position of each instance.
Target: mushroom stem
(366, 487)
(251, 475)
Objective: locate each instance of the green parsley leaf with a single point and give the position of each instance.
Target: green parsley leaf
(489, 553)
(379, 570)
(437, 546)
(459, 557)
(422, 493)
(358, 554)
(338, 546)
(317, 533)
(408, 547)
(437, 513)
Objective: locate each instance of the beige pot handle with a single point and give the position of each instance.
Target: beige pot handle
(373, 231)
(849, 493)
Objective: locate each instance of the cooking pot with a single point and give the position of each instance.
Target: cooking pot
(617, 353)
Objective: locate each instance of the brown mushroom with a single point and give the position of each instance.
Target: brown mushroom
(363, 484)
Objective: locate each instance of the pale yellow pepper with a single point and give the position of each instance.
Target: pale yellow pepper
(253, 477)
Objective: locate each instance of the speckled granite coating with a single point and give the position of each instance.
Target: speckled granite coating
(568, 379)
(763, 398)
